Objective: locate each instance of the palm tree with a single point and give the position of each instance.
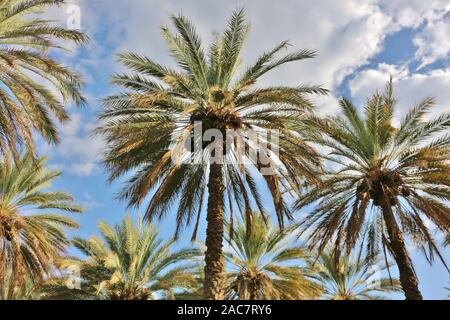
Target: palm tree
(31, 236)
(130, 262)
(386, 182)
(30, 80)
(350, 278)
(10, 291)
(150, 126)
(264, 264)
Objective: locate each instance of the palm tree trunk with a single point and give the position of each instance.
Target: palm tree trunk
(214, 269)
(408, 277)
(253, 292)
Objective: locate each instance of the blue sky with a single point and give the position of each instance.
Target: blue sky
(360, 43)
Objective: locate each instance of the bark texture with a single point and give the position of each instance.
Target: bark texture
(214, 268)
(408, 277)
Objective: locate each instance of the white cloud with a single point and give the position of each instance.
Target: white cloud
(347, 34)
(412, 13)
(410, 88)
(78, 150)
(83, 169)
(433, 42)
(89, 203)
(327, 105)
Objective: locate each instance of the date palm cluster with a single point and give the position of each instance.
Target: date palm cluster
(369, 189)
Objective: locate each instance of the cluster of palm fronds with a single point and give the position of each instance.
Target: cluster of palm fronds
(370, 188)
(131, 262)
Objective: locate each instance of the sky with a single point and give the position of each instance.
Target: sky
(360, 43)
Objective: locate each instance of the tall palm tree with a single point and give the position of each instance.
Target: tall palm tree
(30, 80)
(149, 128)
(386, 182)
(31, 236)
(265, 264)
(130, 262)
(352, 279)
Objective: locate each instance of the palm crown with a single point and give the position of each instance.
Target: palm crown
(164, 103)
(151, 124)
(31, 237)
(130, 262)
(266, 265)
(30, 80)
(351, 278)
(388, 181)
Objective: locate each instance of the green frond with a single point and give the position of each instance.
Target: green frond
(260, 264)
(348, 278)
(27, 106)
(128, 262)
(32, 237)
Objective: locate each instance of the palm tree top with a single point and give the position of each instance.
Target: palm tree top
(372, 159)
(129, 261)
(257, 244)
(352, 278)
(381, 145)
(212, 74)
(265, 263)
